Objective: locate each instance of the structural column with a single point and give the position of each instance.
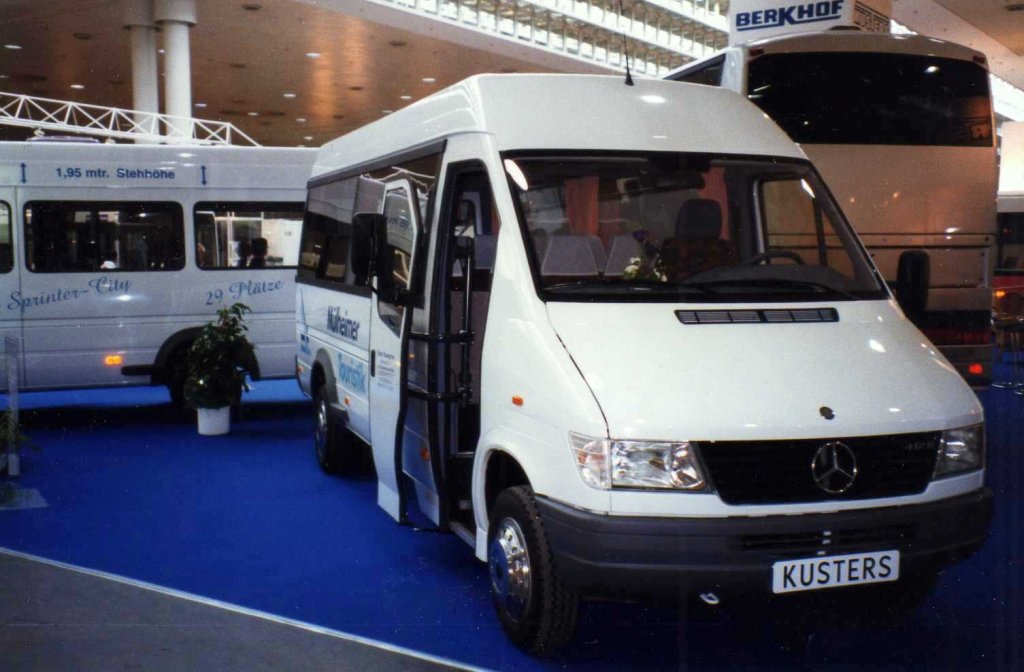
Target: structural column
(176, 18)
(138, 21)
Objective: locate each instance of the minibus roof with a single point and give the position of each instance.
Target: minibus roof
(856, 40)
(568, 112)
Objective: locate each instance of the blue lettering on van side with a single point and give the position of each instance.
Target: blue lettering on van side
(791, 15)
(351, 373)
(65, 294)
(342, 326)
(245, 288)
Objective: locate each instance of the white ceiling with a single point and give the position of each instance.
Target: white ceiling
(245, 61)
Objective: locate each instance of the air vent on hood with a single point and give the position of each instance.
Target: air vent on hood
(776, 316)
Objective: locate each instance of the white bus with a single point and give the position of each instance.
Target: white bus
(901, 128)
(588, 348)
(113, 256)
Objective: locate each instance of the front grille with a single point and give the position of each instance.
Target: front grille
(832, 541)
(779, 472)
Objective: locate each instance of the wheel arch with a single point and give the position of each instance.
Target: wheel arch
(174, 343)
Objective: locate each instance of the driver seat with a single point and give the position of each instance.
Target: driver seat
(698, 245)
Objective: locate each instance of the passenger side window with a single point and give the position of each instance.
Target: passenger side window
(6, 243)
(70, 237)
(400, 234)
(326, 248)
(247, 235)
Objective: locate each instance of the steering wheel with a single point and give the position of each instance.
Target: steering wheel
(771, 254)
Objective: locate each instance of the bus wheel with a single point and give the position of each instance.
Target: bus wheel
(336, 452)
(175, 375)
(537, 611)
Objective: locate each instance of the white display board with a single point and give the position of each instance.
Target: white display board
(1011, 159)
(757, 19)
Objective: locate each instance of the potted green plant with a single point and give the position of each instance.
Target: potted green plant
(218, 362)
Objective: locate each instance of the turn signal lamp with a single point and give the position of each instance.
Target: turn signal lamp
(1000, 293)
(113, 360)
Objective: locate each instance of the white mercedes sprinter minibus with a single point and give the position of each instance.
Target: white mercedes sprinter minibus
(113, 256)
(622, 341)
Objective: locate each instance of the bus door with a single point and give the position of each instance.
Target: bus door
(10, 279)
(389, 344)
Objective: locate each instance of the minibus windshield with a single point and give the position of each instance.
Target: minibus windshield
(665, 226)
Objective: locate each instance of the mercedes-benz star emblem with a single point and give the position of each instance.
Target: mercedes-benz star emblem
(834, 468)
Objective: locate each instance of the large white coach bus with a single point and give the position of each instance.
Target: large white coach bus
(621, 340)
(113, 256)
(901, 128)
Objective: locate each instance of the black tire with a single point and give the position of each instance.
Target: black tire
(536, 609)
(336, 451)
(175, 373)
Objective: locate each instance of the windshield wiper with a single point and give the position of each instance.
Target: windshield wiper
(775, 283)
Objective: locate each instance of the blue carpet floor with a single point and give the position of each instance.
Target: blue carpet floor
(249, 519)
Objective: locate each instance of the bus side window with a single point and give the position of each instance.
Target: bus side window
(325, 248)
(84, 237)
(247, 235)
(710, 73)
(6, 245)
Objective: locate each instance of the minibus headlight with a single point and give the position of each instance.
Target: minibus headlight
(960, 450)
(655, 464)
(605, 463)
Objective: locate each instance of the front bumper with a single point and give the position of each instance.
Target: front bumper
(619, 556)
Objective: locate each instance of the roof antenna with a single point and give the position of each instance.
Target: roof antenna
(625, 49)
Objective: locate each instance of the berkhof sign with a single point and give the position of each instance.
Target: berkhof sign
(751, 20)
(791, 15)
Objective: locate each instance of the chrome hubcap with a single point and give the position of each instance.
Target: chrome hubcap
(509, 565)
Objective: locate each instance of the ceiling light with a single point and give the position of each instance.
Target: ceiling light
(200, 105)
(428, 80)
(5, 76)
(301, 120)
(307, 137)
(254, 114)
(386, 111)
(12, 46)
(78, 87)
(289, 95)
(160, 51)
(312, 54)
(406, 97)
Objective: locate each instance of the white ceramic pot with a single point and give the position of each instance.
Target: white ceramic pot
(214, 421)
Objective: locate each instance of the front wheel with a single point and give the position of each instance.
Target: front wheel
(335, 449)
(536, 609)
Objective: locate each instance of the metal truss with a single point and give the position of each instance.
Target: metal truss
(61, 116)
(661, 34)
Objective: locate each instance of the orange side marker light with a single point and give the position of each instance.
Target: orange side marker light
(517, 400)
(113, 360)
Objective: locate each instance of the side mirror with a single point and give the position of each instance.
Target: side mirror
(364, 226)
(913, 275)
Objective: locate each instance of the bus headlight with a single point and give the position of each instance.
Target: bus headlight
(666, 465)
(960, 450)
